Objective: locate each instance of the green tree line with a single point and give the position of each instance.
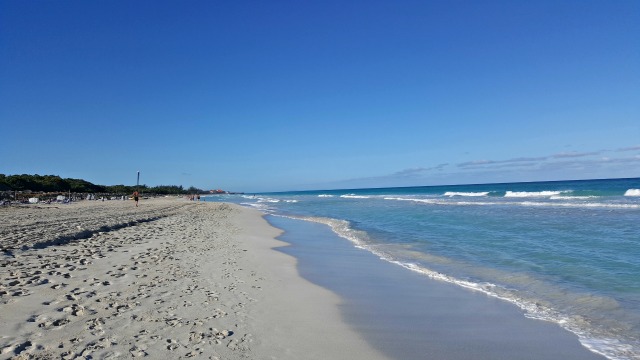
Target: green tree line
(54, 183)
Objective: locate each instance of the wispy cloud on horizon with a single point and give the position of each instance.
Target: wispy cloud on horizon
(418, 171)
(575, 154)
(583, 161)
(631, 148)
(570, 165)
(508, 161)
(536, 160)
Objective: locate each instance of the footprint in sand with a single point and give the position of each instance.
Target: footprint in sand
(173, 344)
(17, 349)
(137, 352)
(193, 353)
(241, 344)
(37, 318)
(73, 309)
(20, 292)
(48, 325)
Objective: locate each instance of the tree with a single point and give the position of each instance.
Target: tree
(194, 190)
(54, 183)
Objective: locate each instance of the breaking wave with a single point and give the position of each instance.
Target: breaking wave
(354, 196)
(632, 192)
(525, 194)
(569, 204)
(472, 194)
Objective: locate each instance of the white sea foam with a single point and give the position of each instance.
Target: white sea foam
(472, 194)
(632, 192)
(581, 205)
(341, 227)
(325, 196)
(444, 202)
(354, 196)
(425, 201)
(559, 197)
(524, 194)
(262, 207)
(522, 203)
(610, 348)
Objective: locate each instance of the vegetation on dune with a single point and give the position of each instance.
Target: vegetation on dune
(54, 183)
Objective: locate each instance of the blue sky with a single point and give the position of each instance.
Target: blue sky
(288, 95)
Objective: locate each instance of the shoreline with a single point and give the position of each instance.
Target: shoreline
(180, 279)
(407, 315)
(201, 282)
(538, 254)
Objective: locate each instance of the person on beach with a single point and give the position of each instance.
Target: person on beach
(136, 196)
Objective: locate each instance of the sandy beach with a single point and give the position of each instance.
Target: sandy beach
(170, 279)
(181, 279)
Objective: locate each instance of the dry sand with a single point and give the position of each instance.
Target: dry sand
(170, 279)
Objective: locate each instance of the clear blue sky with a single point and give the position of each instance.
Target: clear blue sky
(286, 95)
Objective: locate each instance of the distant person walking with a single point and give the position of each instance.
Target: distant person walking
(136, 197)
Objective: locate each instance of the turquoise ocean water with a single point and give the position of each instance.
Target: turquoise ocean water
(565, 251)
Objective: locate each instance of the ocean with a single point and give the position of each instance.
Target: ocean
(564, 251)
